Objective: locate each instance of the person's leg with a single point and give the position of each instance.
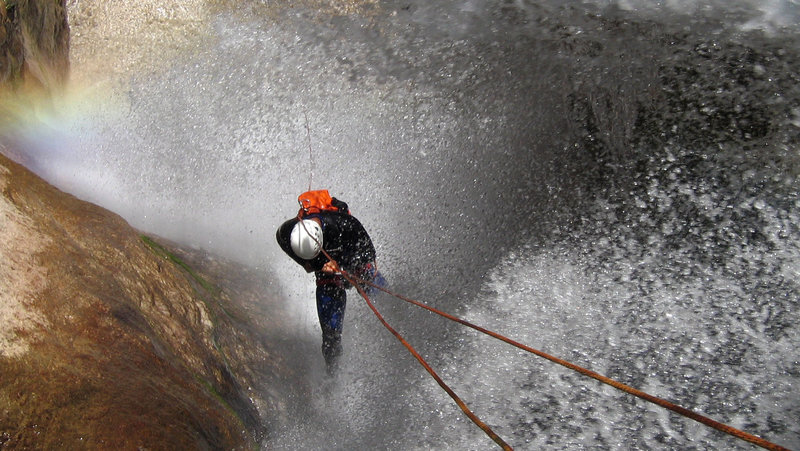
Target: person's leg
(331, 302)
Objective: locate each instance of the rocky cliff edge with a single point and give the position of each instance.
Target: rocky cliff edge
(113, 339)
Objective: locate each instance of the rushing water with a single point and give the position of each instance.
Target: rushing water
(613, 182)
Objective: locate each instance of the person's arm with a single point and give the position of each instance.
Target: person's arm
(358, 249)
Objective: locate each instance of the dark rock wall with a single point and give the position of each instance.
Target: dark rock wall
(34, 45)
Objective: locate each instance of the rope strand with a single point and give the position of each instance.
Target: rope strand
(606, 380)
(310, 153)
(486, 429)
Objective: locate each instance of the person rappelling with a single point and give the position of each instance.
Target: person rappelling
(324, 238)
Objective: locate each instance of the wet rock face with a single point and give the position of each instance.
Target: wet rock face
(109, 339)
(34, 45)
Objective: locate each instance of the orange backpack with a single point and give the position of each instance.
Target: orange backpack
(319, 200)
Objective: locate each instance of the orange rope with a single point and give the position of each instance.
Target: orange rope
(488, 430)
(606, 380)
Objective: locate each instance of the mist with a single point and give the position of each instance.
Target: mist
(611, 180)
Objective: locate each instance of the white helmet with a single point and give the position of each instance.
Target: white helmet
(306, 239)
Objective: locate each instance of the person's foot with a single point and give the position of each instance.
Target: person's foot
(331, 350)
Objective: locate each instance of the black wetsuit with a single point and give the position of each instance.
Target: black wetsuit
(343, 238)
(347, 242)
